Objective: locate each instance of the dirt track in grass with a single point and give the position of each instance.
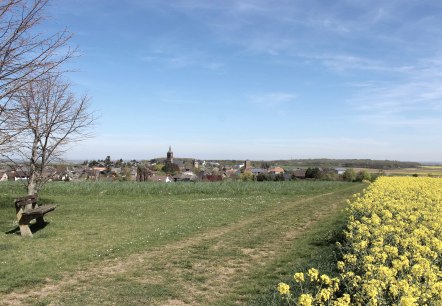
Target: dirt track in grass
(200, 270)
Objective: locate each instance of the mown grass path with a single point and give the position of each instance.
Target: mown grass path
(223, 265)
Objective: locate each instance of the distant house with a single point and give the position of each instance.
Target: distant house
(276, 170)
(91, 175)
(340, 171)
(232, 172)
(257, 171)
(108, 175)
(3, 176)
(99, 169)
(65, 176)
(78, 173)
(117, 170)
(17, 175)
(190, 173)
(185, 177)
(51, 174)
(180, 164)
(299, 173)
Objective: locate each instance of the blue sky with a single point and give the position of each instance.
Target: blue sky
(237, 79)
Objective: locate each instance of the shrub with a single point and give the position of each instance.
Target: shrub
(349, 175)
(363, 175)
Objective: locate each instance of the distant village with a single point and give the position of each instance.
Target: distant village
(170, 169)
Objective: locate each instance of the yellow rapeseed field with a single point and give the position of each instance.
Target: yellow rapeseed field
(392, 254)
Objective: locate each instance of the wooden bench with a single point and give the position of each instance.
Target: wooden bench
(27, 210)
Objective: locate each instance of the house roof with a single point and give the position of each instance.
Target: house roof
(19, 173)
(276, 169)
(99, 168)
(183, 176)
(299, 172)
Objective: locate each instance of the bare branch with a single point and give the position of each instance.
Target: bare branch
(49, 117)
(25, 55)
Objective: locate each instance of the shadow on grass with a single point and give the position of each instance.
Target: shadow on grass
(330, 238)
(35, 227)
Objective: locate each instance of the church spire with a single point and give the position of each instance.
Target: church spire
(170, 155)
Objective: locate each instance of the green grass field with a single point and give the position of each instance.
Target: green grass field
(168, 244)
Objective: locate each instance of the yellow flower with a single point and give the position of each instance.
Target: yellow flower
(394, 290)
(341, 266)
(325, 279)
(324, 295)
(343, 301)
(313, 274)
(299, 277)
(283, 289)
(417, 270)
(305, 300)
(350, 259)
(408, 301)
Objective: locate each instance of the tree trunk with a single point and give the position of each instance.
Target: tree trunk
(32, 186)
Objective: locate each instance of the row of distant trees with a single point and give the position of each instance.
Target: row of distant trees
(349, 175)
(333, 163)
(39, 113)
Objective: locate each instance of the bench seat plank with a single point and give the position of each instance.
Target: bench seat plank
(23, 201)
(39, 211)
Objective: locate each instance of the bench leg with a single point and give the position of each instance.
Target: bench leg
(25, 231)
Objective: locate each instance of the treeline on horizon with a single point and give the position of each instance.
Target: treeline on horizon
(330, 163)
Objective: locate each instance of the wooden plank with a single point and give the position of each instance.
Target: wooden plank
(24, 201)
(39, 210)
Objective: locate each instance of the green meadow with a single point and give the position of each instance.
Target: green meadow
(128, 243)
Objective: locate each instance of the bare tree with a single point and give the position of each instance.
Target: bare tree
(25, 54)
(50, 118)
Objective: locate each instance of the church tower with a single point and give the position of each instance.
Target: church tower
(170, 155)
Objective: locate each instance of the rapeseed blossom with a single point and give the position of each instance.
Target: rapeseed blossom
(392, 254)
(313, 274)
(299, 277)
(283, 289)
(305, 300)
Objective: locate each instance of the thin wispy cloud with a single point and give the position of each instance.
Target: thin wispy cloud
(183, 61)
(272, 99)
(175, 56)
(347, 63)
(413, 99)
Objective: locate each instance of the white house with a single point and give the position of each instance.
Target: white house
(3, 176)
(340, 171)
